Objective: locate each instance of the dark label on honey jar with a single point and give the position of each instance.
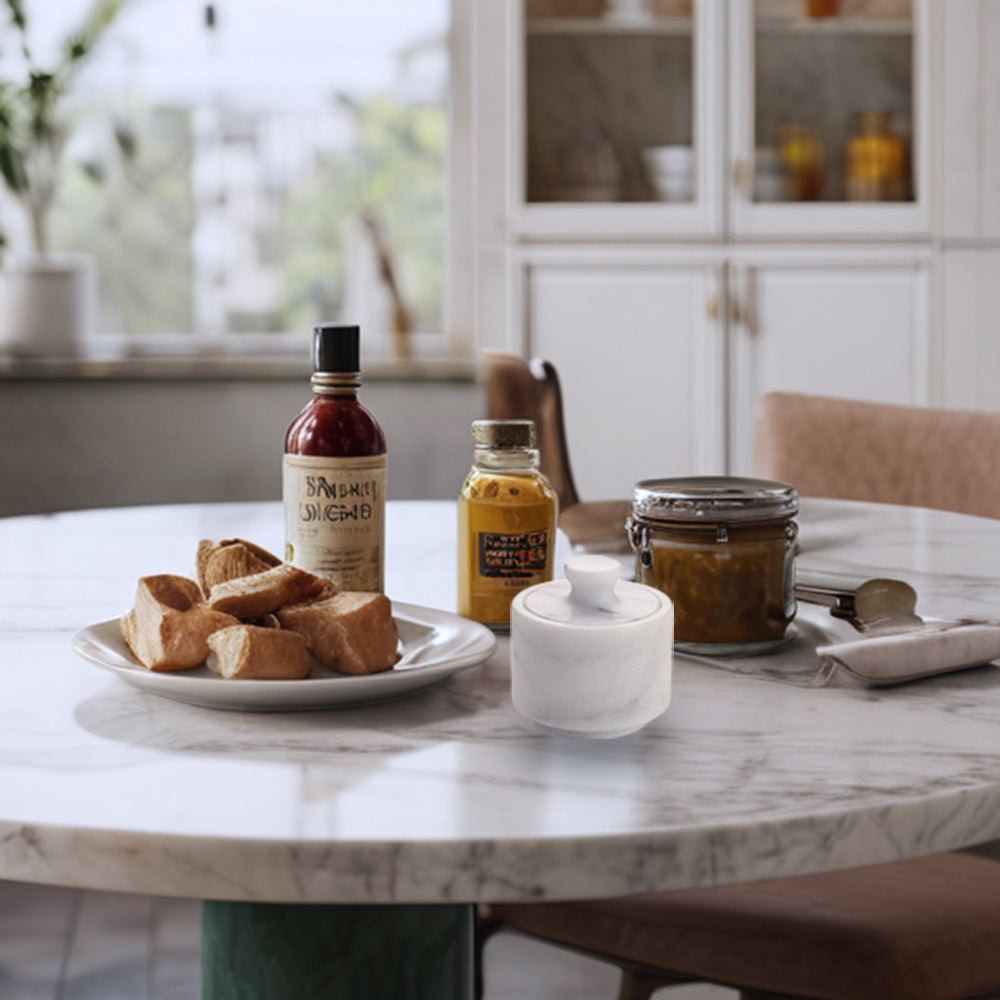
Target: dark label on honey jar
(512, 556)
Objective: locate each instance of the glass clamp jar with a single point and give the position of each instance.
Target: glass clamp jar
(722, 549)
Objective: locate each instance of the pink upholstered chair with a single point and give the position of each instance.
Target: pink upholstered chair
(924, 457)
(922, 929)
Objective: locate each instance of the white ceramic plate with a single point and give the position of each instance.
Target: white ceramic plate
(434, 645)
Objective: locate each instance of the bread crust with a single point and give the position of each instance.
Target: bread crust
(263, 593)
(252, 616)
(352, 632)
(217, 562)
(168, 626)
(252, 652)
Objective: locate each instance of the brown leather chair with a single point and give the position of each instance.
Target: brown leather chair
(921, 929)
(519, 389)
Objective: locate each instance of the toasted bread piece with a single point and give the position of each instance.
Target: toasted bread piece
(352, 632)
(231, 558)
(262, 593)
(168, 626)
(254, 653)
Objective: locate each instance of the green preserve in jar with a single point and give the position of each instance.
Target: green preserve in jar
(722, 548)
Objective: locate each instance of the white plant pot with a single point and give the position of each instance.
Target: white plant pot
(48, 305)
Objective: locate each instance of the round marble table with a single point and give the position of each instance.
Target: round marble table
(415, 808)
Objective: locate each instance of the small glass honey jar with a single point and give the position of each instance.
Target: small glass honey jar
(506, 522)
(722, 548)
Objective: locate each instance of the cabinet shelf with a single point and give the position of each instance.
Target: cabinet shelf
(682, 26)
(833, 26)
(670, 26)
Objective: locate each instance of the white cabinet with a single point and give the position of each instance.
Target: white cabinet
(662, 357)
(782, 124)
(966, 355)
(968, 141)
(590, 98)
(968, 359)
(845, 101)
(640, 360)
(852, 325)
(668, 318)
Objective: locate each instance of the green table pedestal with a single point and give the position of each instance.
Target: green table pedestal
(278, 951)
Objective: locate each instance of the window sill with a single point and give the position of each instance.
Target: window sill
(245, 357)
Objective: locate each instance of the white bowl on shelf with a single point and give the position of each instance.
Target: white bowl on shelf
(672, 158)
(674, 187)
(671, 171)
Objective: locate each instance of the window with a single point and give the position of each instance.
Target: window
(248, 167)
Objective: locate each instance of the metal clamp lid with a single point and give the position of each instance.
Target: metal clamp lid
(711, 499)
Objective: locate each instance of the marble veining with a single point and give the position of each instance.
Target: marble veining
(449, 794)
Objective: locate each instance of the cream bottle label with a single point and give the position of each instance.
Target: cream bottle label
(335, 518)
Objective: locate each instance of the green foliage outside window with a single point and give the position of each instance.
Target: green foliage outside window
(138, 222)
(396, 169)
(135, 216)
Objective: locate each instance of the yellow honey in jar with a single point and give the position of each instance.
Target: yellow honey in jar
(506, 522)
(722, 549)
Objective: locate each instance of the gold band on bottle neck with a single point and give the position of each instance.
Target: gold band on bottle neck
(332, 383)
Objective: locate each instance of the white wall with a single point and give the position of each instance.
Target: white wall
(81, 443)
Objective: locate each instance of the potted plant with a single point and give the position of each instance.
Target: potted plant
(49, 299)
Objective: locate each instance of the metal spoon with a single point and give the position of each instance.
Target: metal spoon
(876, 605)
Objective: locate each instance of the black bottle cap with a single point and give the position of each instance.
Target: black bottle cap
(336, 347)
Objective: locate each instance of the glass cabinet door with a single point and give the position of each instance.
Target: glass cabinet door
(611, 125)
(827, 111)
(751, 118)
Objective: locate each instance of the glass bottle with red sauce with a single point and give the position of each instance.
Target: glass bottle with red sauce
(334, 471)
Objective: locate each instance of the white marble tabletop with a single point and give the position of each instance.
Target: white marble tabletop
(449, 795)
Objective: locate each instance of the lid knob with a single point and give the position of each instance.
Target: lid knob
(593, 579)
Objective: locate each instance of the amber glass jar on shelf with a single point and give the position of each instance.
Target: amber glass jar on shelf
(822, 8)
(801, 149)
(876, 160)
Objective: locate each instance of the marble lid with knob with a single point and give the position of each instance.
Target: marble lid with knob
(591, 655)
(592, 595)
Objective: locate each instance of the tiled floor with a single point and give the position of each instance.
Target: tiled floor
(61, 944)
(517, 968)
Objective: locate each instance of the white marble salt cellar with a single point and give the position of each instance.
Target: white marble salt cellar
(591, 655)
